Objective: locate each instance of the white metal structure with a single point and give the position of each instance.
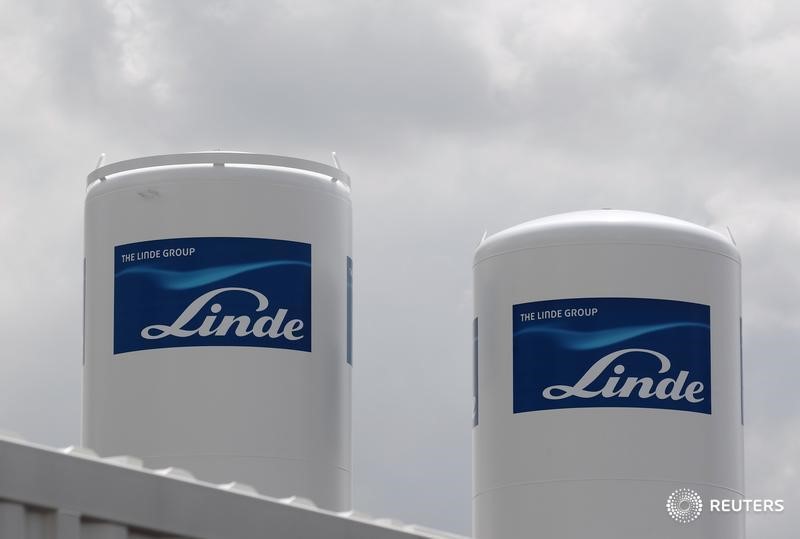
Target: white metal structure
(608, 375)
(48, 493)
(217, 319)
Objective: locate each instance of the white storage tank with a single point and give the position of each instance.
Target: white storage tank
(608, 376)
(217, 319)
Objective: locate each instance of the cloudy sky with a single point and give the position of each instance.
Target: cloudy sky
(452, 117)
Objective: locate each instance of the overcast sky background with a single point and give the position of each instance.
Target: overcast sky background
(452, 117)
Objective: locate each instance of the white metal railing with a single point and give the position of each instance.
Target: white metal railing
(220, 159)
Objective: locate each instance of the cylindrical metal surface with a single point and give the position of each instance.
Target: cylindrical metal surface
(217, 320)
(608, 375)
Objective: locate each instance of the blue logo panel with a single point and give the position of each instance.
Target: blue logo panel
(612, 352)
(349, 310)
(475, 372)
(212, 291)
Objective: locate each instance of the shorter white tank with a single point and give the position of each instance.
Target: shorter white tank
(608, 371)
(217, 319)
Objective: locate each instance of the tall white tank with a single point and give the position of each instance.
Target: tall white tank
(608, 376)
(217, 319)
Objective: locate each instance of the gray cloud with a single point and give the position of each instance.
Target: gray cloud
(452, 118)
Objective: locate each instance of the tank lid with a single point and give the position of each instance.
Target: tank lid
(218, 158)
(606, 226)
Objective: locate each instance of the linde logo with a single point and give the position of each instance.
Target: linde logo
(611, 352)
(264, 326)
(645, 387)
(212, 292)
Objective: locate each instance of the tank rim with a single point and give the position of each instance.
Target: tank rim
(217, 158)
(603, 227)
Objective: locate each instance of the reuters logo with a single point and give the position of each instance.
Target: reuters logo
(684, 505)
